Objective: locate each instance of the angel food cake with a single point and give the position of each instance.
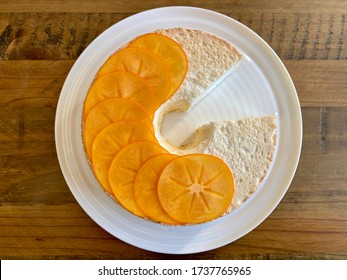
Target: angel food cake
(156, 73)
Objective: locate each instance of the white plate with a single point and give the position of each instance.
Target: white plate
(261, 85)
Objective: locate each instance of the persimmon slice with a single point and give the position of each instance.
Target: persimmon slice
(170, 51)
(195, 188)
(108, 111)
(110, 141)
(120, 84)
(146, 64)
(123, 169)
(145, 188)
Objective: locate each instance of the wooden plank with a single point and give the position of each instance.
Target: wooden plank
(325, 130)
(38, 83)
(32, 177)
(300, 35)
(105, 6)
(42, 69)
(32, 83)
(29, 170)
(27, 125)
(65, 231)
(319, 83)
(58, 36)
(50, 35)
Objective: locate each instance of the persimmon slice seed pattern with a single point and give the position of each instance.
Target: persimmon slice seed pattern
(188, 185)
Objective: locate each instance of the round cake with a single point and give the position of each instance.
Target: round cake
(156, 73)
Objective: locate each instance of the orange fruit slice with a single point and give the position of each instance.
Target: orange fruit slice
(123, 169)
(195, 188)
(145, 188)
(120, 84)
(110, 141)
(108, 111)
(146, 64)
(170, 51)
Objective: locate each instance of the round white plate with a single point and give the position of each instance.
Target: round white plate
(261, 85)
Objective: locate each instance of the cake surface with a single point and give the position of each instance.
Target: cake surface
(248, 145)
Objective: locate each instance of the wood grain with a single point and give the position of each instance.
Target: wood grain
(32, 83)
(53, 35)
(319, 82)
(45, 36)
(39, 42)
(106, 6)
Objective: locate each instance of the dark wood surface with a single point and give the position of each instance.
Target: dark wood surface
(39, 42)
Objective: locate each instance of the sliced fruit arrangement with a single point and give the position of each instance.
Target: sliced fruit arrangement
(123, 152)
(145, 189)
(109, 111)
(170, 51)
(120, 84)
(111, 140)
(123, 171)
(146, 64)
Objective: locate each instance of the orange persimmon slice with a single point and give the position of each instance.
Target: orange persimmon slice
(145, 188)
(108, 111)
(195, 188)
(146, 64)
(110, 141)
(170, 51)
(123, 169)
(120, 84)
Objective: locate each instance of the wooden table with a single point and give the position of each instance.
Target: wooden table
(39, 42)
